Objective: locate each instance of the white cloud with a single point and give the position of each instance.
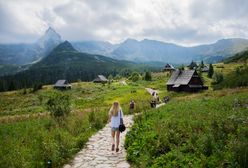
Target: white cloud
(186, 22)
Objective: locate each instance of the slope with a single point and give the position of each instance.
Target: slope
(239, 57)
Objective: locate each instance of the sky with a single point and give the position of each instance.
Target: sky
(184, 22)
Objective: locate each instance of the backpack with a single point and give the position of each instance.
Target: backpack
(132, 105)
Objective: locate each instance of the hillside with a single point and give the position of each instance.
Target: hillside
(65, 62)
(205, 130)
(239, 57)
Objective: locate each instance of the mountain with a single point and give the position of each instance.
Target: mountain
(150, 50)
(18, 54)
(65, 62)
(21, 54)
(144, 51)
(220, 50)
(95, 47)
(48, 41)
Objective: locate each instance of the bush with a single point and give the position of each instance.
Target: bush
(217, 77)
(134, 77)
(59, 105)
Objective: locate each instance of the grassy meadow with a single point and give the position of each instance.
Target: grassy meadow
(205, 130)
(29, 133)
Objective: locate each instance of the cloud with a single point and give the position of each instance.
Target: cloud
(187, 22)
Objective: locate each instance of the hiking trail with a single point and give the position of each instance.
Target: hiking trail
(97, 151)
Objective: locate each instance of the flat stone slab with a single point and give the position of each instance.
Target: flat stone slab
(97, 151)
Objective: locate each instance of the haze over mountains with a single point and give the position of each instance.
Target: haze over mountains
(21, 54)
(65, 62)
(131, 50)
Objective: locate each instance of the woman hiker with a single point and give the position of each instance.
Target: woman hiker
(131, 106)
(115, 115)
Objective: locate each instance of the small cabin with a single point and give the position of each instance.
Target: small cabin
(193, 65)
(205, 68)
(169, 67)
(100, 79)
(185, 81)
(62, 85)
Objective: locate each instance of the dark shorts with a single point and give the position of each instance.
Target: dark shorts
(114, 129)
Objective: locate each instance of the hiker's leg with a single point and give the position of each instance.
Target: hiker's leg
(117, 139)
(113, 137)
(113, 140)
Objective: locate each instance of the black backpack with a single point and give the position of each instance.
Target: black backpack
(122, 127)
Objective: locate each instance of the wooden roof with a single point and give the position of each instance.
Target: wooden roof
(101, 78)
(61, 83)
(180, 77)
(169, 67)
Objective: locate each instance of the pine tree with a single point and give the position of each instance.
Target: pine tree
(202, 64)
(210, 71)
(148, 76)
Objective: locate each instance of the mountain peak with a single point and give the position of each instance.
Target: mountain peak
(50, 30)
(52, 34)
(51, 37)
(64, 46)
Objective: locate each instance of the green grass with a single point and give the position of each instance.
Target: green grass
(33, 143)
(36, 140)
(205, 131)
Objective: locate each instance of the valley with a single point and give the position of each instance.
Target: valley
(28, 134)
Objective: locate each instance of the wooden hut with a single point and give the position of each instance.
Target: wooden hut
(62, 84)
(100, 79)
(169, 67)
(186, 81)
(205, 68)
(193, 65)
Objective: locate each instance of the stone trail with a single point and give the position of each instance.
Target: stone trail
(97, 151)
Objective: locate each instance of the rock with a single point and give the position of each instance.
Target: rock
(67, 166)
(123, 165)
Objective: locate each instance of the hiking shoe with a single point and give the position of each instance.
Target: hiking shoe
(117, 149)
(113, 147)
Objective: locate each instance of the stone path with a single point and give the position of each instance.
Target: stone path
(151, 91)
(97, 152)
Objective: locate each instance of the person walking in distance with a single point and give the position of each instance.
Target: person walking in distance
(115, 115)
(131, 106)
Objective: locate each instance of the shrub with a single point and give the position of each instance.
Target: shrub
(59, 105)
(134, 77)
(217, 77)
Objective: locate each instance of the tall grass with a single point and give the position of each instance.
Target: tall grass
(203, 132)
(34, 143)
